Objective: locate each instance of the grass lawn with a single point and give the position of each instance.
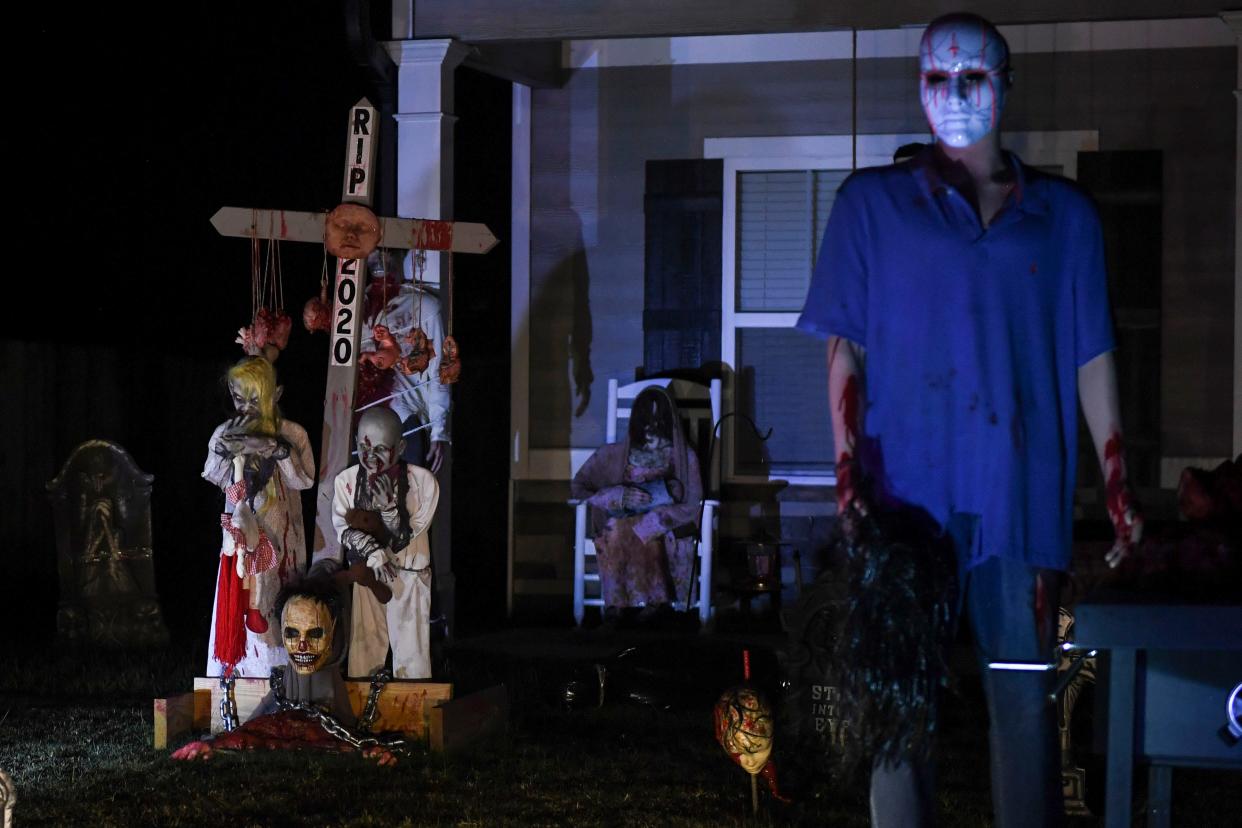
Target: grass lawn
(75, 736)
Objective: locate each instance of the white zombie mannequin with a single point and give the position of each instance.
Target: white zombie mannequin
(382, 509)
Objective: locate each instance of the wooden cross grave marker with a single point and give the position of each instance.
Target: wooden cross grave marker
(404, 234)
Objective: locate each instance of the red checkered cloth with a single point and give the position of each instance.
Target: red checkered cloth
(239, 539)
(262, 558)
(234, 493)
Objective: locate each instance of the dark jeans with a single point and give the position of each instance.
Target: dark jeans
(416, 444)
(1012, 611)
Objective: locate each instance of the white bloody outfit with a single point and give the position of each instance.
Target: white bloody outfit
(280, 518)
(430, 401)
(404, 622)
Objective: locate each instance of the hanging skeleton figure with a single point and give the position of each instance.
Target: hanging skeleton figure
(269, 329)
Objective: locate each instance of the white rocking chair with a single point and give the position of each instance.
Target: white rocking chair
(699, 406)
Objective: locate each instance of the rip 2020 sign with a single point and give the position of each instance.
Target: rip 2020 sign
(347, 298)
(358, 154)
(345, 309)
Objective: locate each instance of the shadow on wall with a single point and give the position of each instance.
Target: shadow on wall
(560, 346)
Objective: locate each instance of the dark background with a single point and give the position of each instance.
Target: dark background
(122, 319)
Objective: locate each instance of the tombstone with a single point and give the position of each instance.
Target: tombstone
(812, 719)
(101, 506)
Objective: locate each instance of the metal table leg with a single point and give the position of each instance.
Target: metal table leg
(1121, 688)
(1159, 796)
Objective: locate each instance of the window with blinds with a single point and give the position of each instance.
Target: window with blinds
(782, 380)
(782, 384)
(781, 219)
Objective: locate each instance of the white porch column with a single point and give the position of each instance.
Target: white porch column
(425, 122)
(1234, 19)
(425, 128)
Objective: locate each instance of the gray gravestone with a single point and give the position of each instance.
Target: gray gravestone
(101, 505)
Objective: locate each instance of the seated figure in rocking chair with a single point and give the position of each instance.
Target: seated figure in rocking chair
(645, 494)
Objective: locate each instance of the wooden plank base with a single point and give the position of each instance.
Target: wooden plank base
(403, 706)
(180, 714)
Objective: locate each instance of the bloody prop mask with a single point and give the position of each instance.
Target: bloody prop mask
(316, 312)
(307, 627)
(380, 443)
(420, 355)
(744, 728)
(450, 362)
(963, 78)
(351, 231)
(386, 352)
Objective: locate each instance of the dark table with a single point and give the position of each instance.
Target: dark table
(1172, 668)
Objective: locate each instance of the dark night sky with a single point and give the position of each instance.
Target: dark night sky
(150, 127)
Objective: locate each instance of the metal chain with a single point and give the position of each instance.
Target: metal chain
(277, 684)
(330, 723)
(228, 703)
(371, 712)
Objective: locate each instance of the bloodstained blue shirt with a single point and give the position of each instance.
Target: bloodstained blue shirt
(973, 342)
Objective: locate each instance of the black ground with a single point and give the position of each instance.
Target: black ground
(75, 734)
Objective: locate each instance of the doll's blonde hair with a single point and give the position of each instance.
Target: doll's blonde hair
(255, 376)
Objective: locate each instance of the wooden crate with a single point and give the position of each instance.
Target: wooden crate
(247, 692)
(404, 705)
(180, 714)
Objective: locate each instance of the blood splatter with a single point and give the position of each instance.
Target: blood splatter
(845, 480)
(1118, 498)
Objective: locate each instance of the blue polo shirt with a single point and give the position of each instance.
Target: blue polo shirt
(973, 342)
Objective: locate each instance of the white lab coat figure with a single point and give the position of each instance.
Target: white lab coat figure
(404, 622)
(424, 395)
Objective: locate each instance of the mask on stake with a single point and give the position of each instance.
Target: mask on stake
(964, 78)
(307, 627)
(744, 727)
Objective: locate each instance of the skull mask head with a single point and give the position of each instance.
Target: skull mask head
(307, 625)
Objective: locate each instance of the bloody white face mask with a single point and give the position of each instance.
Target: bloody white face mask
(379, 444)
(307, 627)
(963, 79)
